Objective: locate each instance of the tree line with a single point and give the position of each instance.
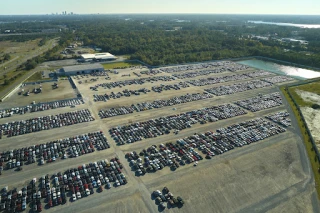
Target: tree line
(172, 39)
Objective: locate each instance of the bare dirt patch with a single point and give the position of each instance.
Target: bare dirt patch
(308, 96)
(312, 116)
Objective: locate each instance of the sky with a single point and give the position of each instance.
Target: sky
(17, 7)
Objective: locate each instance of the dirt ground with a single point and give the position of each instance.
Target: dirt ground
(64, 91)
(312, 117)
(131, 203)
(309, 96)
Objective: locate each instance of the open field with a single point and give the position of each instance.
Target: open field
(16, 50)
(64, 91)
(272, 175)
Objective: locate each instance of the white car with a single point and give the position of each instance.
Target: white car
(78, 195)
(87, 192)
(74, 198)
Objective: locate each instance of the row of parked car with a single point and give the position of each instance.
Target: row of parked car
(238, 87)
(216, 80)
(40, 107)
(278, 79)
(236, 77)
(259, 73)
(225, 65)
(132, 81)
(280, 118)
(163, 125)
(163, 87)
(16, 200)
(122, 110)
(155, 158)
(194, 74)
(16, 128)
(54, 150)
(184, 151)
(99, 73)
(125, 93)
(80, 182)
(150, 72)
(261, 102)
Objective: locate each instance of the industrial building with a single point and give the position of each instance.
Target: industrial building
(80, 69)
(97, 57)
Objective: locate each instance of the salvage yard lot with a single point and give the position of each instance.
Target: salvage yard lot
(264, 176)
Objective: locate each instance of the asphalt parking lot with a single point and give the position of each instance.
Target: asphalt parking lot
(270, 173)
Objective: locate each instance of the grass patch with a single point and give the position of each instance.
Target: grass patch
(120, 65)
(9, 75)
(307, 141)
(37, 76)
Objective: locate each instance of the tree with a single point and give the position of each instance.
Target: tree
(6, 57)
(6, 82)
(31, 64)
(315, 106)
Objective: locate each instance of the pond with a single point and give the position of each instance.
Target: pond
(299, 73)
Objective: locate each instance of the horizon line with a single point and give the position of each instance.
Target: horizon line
(160, 13)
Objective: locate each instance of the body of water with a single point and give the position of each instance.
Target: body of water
(287, 24)
(281, 69)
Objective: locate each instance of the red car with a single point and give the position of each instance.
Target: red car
(50, 203)
(39, 207)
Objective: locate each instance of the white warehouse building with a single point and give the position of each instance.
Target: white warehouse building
(97, 57)
(80, 69)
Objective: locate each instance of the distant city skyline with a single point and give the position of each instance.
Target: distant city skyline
(28, 7)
